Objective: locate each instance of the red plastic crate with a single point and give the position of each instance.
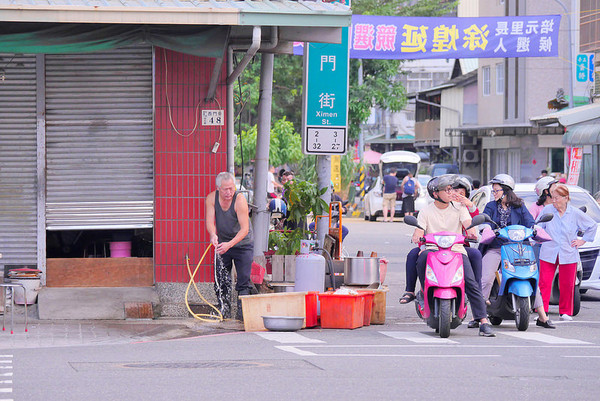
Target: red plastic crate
(311, 309)
(341, 311)
(257, 273)
(369, 295)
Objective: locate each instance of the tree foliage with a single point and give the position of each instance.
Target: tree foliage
(380, 88)
(285, 145)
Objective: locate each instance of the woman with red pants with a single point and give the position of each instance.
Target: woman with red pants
(562, 250)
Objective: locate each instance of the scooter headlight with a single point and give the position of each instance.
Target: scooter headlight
(430, 275)
(459, 275)
(445, 241)
(508, 266)
(516, 235)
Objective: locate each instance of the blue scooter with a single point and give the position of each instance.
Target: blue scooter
(511, 296)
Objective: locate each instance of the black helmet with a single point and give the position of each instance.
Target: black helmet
(440, 183)
(463, 182)
(432, 186)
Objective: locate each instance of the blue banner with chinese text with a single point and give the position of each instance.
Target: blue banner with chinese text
(381, 37)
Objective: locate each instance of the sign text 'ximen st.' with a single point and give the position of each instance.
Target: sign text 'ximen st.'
(382, 37)
(326, 98)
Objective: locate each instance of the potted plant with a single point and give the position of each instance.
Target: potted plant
(303, 198)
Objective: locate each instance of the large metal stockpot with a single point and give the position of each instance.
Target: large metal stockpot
(361, 270)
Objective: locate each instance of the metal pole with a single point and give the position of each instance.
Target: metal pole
(361, 135)
(323, 180)
(230, 115)
(261, 164)
(568, 15)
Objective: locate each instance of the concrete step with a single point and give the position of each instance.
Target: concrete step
(105, 303)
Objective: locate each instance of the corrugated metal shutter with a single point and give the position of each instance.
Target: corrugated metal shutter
(18, 204)
(99, 140)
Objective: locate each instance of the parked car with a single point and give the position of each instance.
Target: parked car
(438, 169)
(423, 199)
(403, 162)
(588, 270)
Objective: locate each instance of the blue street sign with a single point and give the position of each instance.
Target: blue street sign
(326, 97)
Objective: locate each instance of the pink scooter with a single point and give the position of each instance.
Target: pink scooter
(442, 303)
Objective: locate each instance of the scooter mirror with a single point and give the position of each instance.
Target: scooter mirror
(583, 208)
(478, 220)
(412, 221)
(545, 218)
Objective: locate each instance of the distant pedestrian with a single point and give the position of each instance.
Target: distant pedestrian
(390, 183)
(410, 190)
(272, 183)
(476, 184)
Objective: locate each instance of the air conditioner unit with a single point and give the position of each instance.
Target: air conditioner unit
(470, 156)
(469, 140)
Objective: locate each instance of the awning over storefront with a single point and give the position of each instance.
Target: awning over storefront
(583, 134)
(566, 117)
(179, 12)
(50, 38)
(582, 124)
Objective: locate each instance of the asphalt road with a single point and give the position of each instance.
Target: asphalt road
(400, 360)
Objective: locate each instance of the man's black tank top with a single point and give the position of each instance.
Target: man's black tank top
(228, 225)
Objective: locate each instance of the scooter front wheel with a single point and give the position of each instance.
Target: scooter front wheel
(445, 319)
(522, 311)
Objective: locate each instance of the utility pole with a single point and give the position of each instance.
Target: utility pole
(569, 16)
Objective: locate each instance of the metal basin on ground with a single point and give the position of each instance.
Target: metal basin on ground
(283, 323)
(361, 270)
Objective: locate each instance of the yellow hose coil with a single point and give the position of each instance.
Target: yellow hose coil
(205, 317)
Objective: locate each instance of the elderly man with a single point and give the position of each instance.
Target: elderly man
(228, 225)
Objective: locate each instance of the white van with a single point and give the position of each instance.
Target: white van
(403, 162)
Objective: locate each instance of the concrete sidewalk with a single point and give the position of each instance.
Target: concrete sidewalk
(65, 333)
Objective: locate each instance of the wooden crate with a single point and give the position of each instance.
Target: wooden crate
(283, 267)
(379, 300)
(255, 307)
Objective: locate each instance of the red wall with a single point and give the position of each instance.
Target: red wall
(185, 168)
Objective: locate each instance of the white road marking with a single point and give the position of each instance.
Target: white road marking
(581, 356)
(301, 352)
(295, 350)
(544, 338)
(416, 337)
(7, 362)
(288, 338)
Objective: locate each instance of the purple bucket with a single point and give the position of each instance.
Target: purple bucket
(120, 249)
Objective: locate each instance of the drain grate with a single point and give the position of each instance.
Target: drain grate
(197, 365)
(268, 364)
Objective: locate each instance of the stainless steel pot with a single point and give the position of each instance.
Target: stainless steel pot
(361, 270)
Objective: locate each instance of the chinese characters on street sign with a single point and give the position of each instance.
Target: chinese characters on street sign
(585, 67)
(382, 37)
(326, 98)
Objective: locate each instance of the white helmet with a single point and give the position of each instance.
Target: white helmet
(544, 183)
(503, 179)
